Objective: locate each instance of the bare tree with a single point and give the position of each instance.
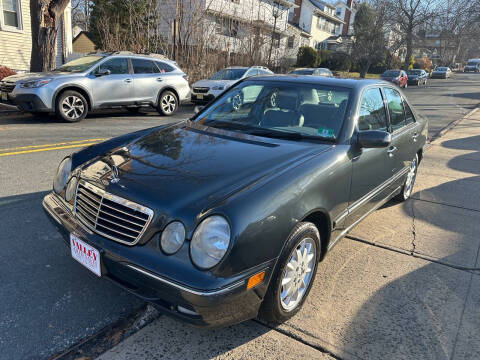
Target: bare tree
(81, 13)
(45, 15)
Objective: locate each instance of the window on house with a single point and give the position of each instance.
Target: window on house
(291, 41)
(338, 12)
(227, 27)
(276, 40)
(11, 12)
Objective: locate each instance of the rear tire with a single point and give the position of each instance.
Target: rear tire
(71, 106)
(167, 103)
(409, 181)
(294, 274)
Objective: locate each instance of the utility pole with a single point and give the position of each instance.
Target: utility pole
(275, 14)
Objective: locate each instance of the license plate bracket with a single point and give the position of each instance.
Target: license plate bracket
(85, 254)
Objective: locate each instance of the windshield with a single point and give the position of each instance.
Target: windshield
(441, 69)
(80, 64)
(414, 72)
(280, 110)
(302, 72)
(228, 74)
(391, 73)
(473, 63)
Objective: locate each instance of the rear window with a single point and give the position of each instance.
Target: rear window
(441, 69)
(414, 72)
(473, 63)
(302, 72)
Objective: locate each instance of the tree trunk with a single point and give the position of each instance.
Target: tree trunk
(408, 55)
(364, 69)
(44, 18)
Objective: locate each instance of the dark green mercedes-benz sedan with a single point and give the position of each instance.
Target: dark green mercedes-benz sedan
(225, 216)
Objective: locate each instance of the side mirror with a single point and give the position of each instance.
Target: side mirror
(197, 109)
(374, 139)
(102, 72)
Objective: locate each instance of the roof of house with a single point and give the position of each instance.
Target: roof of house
(86, 33)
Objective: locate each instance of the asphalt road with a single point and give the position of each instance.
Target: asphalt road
(49, 302)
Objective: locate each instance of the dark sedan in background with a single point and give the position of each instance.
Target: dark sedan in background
(417, 77)
(224, 217)
(398, 77)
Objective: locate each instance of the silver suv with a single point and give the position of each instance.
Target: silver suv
(100, 81)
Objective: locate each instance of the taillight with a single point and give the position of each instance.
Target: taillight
(186, 77)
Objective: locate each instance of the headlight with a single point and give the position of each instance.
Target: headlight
(172, 237)
(71, 188)
(62, 175)
(35, 83)
(210, 242)
(218, 87)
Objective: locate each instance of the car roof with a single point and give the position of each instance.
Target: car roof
(131, 54)
(321, 80)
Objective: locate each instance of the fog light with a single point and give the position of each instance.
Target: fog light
(256, 279)
(186, 311)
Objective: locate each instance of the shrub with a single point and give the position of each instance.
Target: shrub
(307, 57)
(5, 71)
(338, 62)
(423, 63)
(322, 56)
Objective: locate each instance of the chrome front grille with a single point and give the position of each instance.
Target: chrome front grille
(200, 90)
(111, 216)
(7, 87)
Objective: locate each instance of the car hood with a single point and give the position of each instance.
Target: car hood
(211, 83)
(36, 76)
(191, 168)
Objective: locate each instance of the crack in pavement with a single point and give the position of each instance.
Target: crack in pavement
(414, 232)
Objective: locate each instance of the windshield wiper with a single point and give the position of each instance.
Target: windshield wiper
(277, 134)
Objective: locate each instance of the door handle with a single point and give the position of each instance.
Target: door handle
(415, 136)
(159, 79)
(391, 150)
(128, 81)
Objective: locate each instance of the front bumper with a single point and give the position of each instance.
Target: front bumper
(230, 304)
(29, 102)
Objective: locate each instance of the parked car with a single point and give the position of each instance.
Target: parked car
(417, 77)
(398, 77)
(225, 216)
(100, 81)
(473, 65)
(441, 72)
(206, 90)
(312, 71)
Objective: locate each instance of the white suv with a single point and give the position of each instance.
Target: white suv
(206, 90)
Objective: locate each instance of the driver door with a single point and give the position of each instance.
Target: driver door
(115, 88)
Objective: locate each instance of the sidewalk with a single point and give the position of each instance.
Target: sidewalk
(400, 286)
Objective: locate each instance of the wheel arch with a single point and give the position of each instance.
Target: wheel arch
(77, 88)
(167, 88)
(321, 219)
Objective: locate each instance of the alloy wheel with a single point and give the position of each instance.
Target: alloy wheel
(237, 102)
(298, 274)
(73, 107)
(412, 173)
(168, 104)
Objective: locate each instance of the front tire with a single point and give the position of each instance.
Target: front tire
(409, 181)
(294, 274)
(168, 103)
(71, 106)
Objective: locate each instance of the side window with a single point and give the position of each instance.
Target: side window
(116, 66)
(395, 108)
(372, 111)
(164, 68)
(409, 118)
(142, 66)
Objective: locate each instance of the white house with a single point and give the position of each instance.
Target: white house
(16, 36)
(317, 19)
(346, 12)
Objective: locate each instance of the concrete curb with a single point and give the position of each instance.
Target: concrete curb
(452, 124)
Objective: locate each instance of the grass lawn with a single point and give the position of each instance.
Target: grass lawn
(345, 74)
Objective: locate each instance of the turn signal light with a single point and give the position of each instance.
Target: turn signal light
(256, 279)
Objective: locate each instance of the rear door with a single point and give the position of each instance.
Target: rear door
(404, 135)
(372, 168)
(113, 89)
(148, 80)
